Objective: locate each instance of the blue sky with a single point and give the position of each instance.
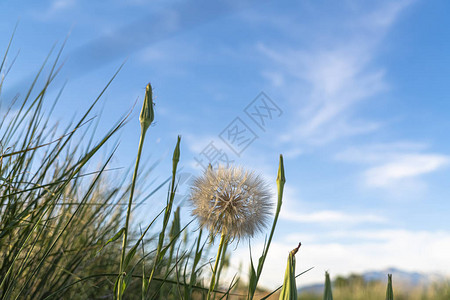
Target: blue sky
(362, 104)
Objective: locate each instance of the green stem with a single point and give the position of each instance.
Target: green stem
(213, 277)
(254, 278)
(222, 262)
(127, 221)
(167, 214)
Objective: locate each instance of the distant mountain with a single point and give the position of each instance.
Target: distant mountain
(312, 288)
(400, 277)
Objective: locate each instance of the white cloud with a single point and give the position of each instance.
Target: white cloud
(385, 18)
(393, 163)
(298, 211)
(339, 78)
(330, 217)
(424, 251)
(327, 81)
(404, 166)
(380, 152)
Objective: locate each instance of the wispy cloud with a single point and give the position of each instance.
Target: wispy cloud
(403, 167)
(334, 77)
(379, 152)
(330, 217)
(386, 17)
(393, 163)
(298, 211)
(338, 79)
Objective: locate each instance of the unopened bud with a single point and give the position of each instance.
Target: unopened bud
(147, 114)
(280, 176)
(176, 152)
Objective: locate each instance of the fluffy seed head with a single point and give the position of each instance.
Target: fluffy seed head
(231, 200)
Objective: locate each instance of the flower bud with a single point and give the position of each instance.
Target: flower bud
(280, 176)
(176, 153)
(147, 114)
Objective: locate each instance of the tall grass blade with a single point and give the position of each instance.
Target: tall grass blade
(168, 211)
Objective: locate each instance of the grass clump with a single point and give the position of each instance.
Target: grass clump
(55, 213)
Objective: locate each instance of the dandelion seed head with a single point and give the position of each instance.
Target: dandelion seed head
(231, 200)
